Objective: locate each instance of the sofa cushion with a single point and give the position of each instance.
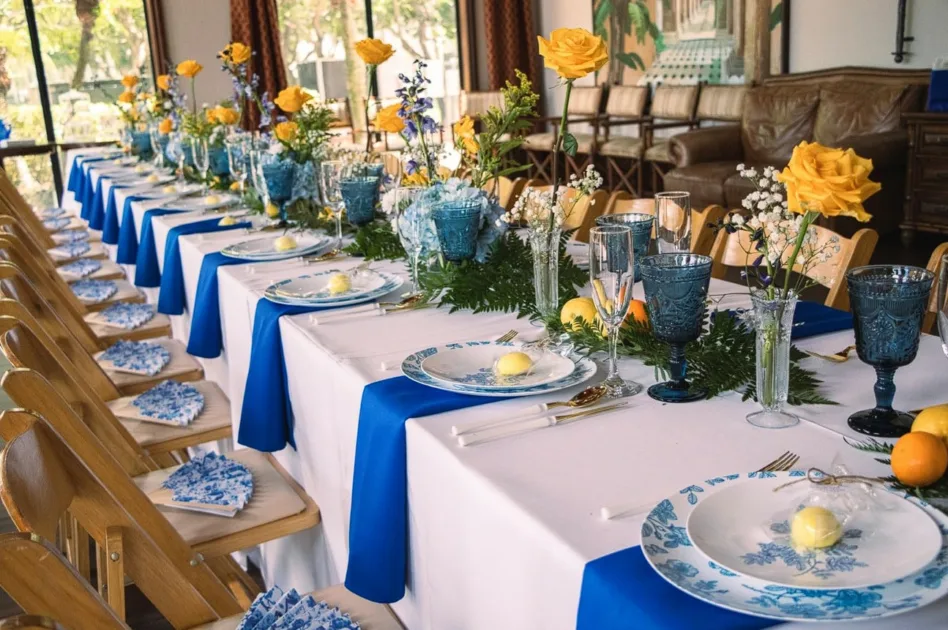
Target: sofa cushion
(776, 119)
(856, 109)
(704, 181)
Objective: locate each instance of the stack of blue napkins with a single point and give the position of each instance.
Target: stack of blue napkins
(210, 483)
(276, 610)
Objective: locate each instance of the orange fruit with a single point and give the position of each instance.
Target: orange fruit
(637, 312)
(919, 459)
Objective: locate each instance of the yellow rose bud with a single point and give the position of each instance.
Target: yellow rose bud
(833, 182)
(464, 134)
(235, 185)
(236, 53)
(573, 52)
(292, 99)
(127, 97)
(211, 115)
(163, 82)
(273, 211)
(388, 119)
(189, 68)
(129, 81)
(373, 51)
(165, 126)
(226, 115)
(286, 131)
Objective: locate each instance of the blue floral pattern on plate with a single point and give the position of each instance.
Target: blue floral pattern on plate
(211, 479)
(668, 549)
(392, 282)
(822, 564)
(127, 315)
(139, 357)
(54, 223)
(81, 268)
(171, 402)
(276, 610)
(94, 291)
(71, 236)
(71, 250)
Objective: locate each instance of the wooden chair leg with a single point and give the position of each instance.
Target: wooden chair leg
(238, 581)
(115, 570)
(639, 186)
(101, 563)
(80, 550)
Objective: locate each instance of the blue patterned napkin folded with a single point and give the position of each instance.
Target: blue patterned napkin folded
(275, 610)
(126, 315)
(209, 481)
(56, 223)
(51, 213)
(136, 357)
(283, 606)
(71, 250)
(259, 608)
(94, 291)
(81, 268)
(171, 402)
(74, 235)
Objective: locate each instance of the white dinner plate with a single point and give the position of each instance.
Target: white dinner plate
(210, 202)
(312, 289)
(746, 528)
(474, 365)
(670, 551)
(265, 249)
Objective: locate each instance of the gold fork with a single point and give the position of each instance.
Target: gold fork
(507, 336)
(837, 357)
(782, 464)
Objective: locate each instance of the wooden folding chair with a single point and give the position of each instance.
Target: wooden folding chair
(108, 270)
(584, 106)
(673, 106)
(40, 580)
(584, 213)
(735, 250)
(506, 190)
(934, 265)
(702, 232)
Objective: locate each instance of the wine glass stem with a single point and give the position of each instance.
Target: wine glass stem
(884, 388)
(678, 366)
(339, 229)
(613, 353)
(415, 261)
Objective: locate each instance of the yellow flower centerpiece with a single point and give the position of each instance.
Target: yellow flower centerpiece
(373, 53)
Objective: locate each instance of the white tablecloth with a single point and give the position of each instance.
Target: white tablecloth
(503, 531)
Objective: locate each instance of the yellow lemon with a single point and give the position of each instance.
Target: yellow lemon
(151, 179)
(933, 420)
(284, 243)
(210, 200)
(513, 364)
(581, 307)
(815, 528)
(272, 211)
(339, 283)
(227, 221)
(169, 189)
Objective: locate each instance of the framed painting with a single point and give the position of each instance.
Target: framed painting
(682, 42)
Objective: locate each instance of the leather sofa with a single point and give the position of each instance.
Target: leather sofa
(843, 107)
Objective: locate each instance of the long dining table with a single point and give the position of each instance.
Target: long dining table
(500, 533)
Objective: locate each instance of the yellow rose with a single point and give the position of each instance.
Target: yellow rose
(129, 81)
(292, 99)
(833, 182)
(373, 51)
(573, 52)
(388, 119)
(235, 185)
(127, 97)
(464, 134)
(163, 82)
(165, 126)
(418, 178)
(189, 68)
(236, 53)
(286, 131)
(211, 115)
(226, 115)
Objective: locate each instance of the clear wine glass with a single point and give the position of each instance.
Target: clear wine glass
(413, 222)
(673, 225)
(612, 274)
(176, 153)
(237, 158)
(202, 159)
(258, 151)
(942, 306)
(331, 174)
(155, 137)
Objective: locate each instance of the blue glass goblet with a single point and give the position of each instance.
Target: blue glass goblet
(361, 196)
(279, 175)
(641, 226)
(676, 294)
(889, 303)
(457, 224)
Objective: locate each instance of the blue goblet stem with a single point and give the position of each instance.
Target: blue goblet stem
(678, 366)
(884, 389)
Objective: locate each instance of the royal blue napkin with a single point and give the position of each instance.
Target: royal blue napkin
(97, 213)
(171, 296)
(110, 230)
(89, 195)
(147, 273)
(815, 318)
(128, 235)
(205, 339)
(621, 591)
(378, 520)
(75, 173)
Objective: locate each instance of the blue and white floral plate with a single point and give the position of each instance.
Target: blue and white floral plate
(312, 289)
(745, 527)
(264, 249)
(670, 551)
(474, 365)
(584, 370)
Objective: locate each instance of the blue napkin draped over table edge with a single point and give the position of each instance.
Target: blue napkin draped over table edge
(205, 339)
(147, 273)
(128, 236)
(171, 295)
(110, 225)
(378, 520)
(815, 318)
(88, 195)
(97, 214)
(75, 173)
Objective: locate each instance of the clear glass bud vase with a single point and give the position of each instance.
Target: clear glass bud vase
(773, 322)
(546, 270)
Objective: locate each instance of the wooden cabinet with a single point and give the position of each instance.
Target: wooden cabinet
(926, 183)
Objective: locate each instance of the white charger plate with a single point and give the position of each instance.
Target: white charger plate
(670, 551)
(474, 365)
(201, 203)
(746, 528)
(311, 289)
(264, 248)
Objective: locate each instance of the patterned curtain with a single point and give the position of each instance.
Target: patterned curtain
(511, 41)
(256, 23)
(156, 37)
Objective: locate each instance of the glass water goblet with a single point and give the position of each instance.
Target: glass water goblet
(202, 159)
(176, 154)
(155, 137)
(612, 274)
(673, 229)
(331, 174)
(641, 226)
(414, 225)
(889, 303)
(676, 294)
(941, 312)
(237, 158)
(257, 152)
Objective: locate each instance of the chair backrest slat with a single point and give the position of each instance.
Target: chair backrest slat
(934, 265)
(702, 235)
(674, 102)
(14, 204)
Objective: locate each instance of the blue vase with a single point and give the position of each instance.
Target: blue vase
(888, 303)
(220, 165)
(141, 145)
(641, 225)
(361, 195)
(676, 292)
(457, 224)
(279, 175)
